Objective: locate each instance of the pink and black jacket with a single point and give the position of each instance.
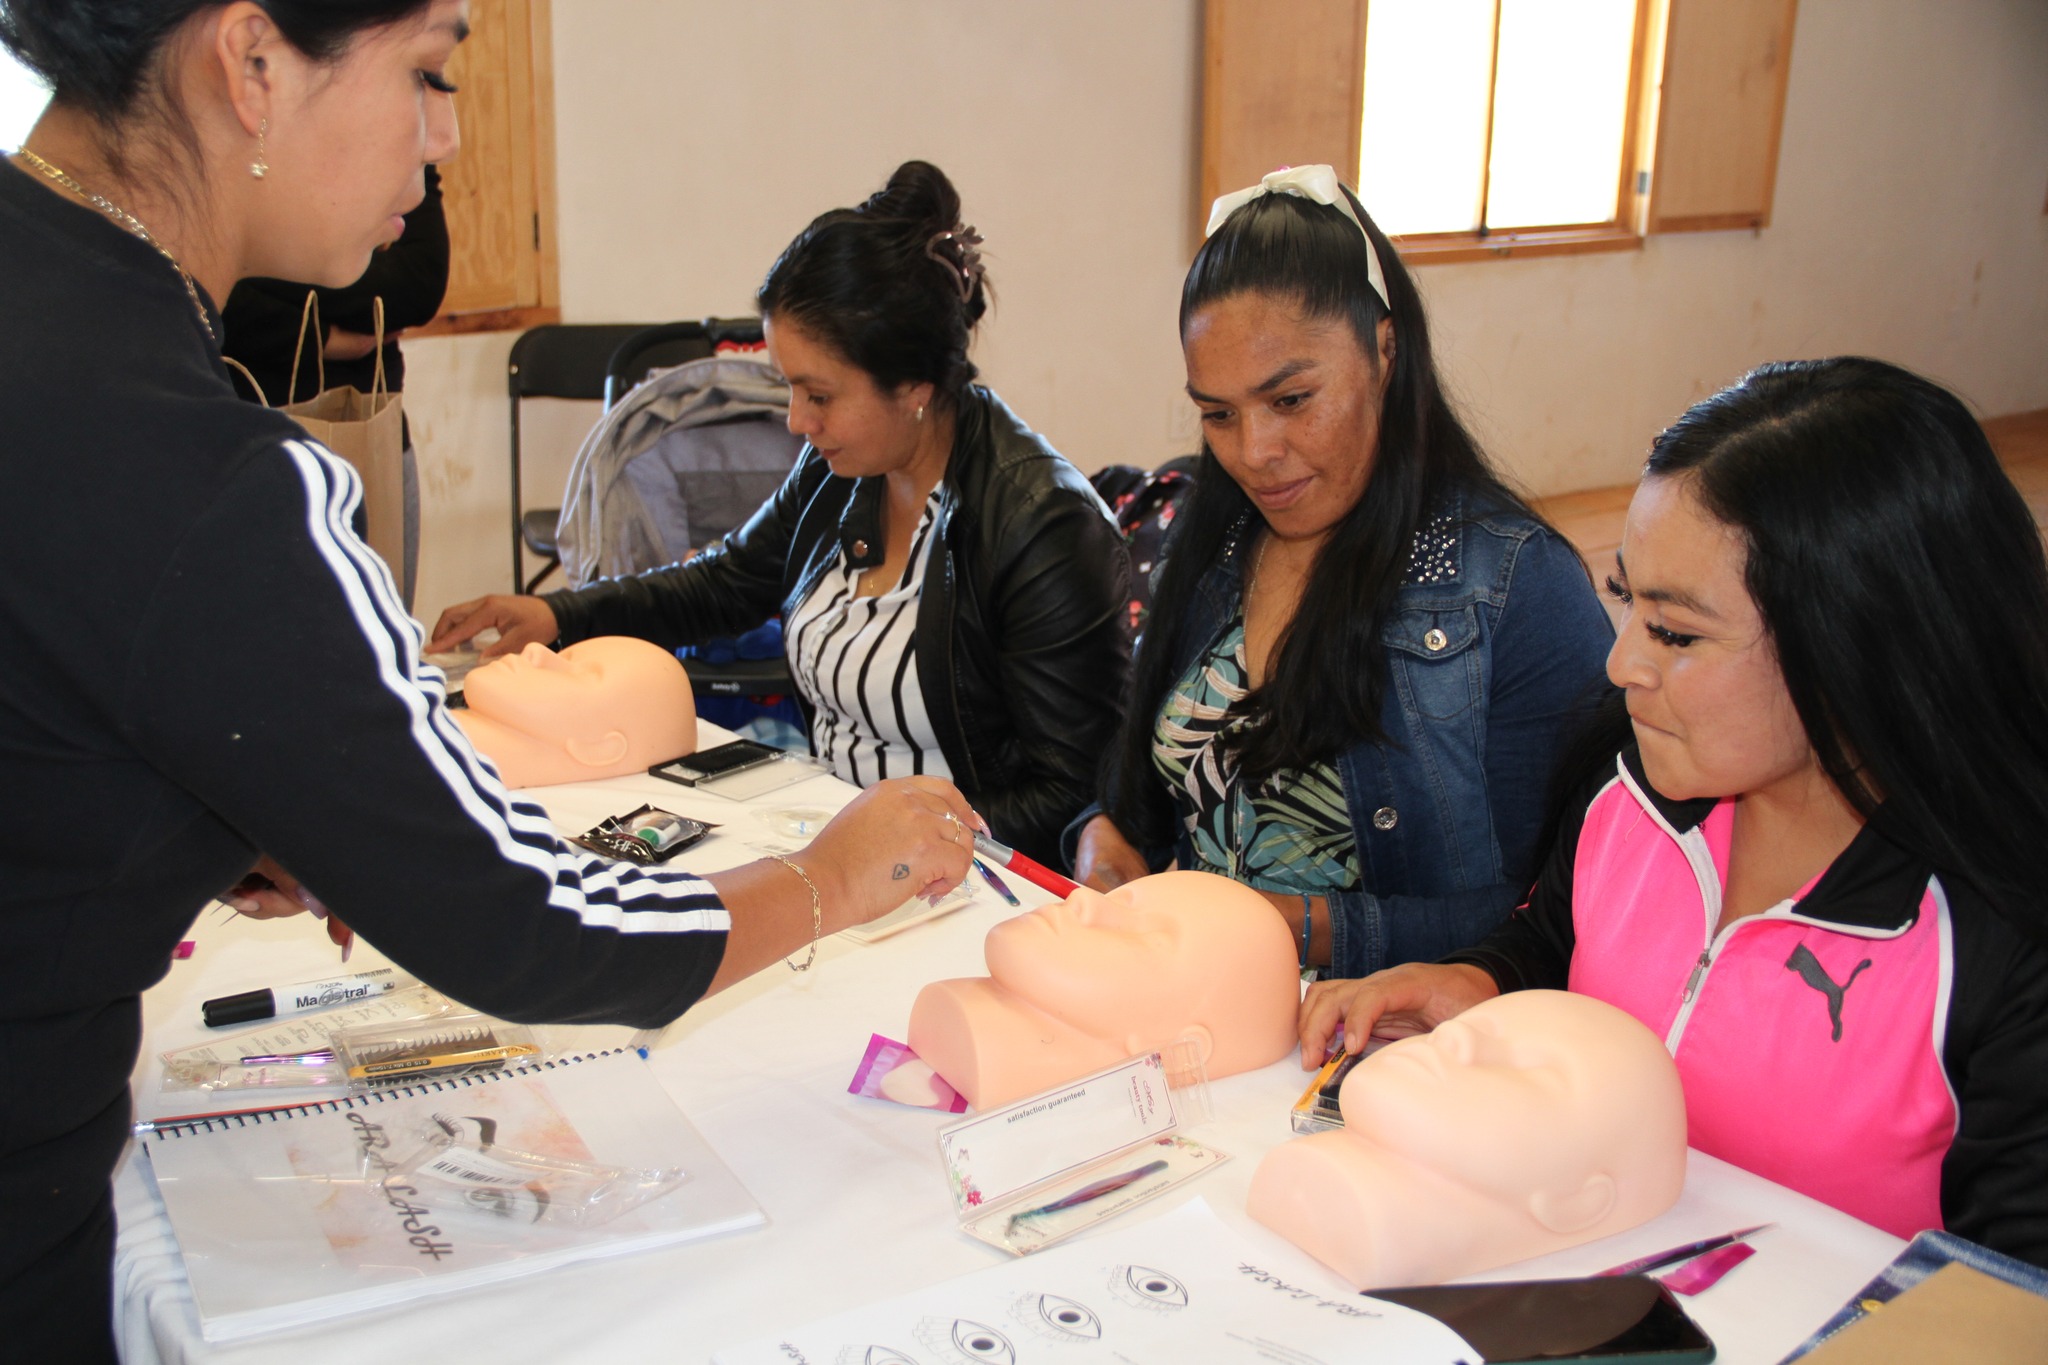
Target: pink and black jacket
(1879, 1041)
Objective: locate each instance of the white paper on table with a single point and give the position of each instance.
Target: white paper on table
(911, 912)
(1181, 1287)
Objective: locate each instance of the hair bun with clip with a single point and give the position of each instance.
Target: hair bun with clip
(959, 250)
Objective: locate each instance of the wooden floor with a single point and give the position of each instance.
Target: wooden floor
(1592, 519)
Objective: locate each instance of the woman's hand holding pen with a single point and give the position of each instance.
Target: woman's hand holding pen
(270, 892)
(1409, 999)
(901, 838)
(909, 836)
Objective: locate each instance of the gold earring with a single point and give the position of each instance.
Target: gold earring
(260, 167)
(920, 412)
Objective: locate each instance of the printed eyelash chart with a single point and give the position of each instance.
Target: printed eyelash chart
(1180, 1287)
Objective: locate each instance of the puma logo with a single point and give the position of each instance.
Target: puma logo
(1813, 974)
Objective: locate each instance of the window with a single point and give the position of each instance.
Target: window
(1491, 128)
(1489, 115)
(22, 98)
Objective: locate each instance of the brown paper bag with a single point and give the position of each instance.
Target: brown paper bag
(367, 430)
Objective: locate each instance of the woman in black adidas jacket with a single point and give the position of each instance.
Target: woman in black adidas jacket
(202, 663)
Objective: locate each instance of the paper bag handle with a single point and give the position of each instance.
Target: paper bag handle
(310, 313)
(377, 311)
(261, 397)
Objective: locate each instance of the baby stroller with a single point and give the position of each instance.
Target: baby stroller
(684, 458)
(678, 462)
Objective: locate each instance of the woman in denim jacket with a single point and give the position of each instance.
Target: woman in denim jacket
(1363, 649)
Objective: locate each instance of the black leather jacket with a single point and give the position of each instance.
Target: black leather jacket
(1022, 630)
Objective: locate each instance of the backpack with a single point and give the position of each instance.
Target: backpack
(1144, 506)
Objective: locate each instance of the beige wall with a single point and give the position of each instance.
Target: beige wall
(695, 138)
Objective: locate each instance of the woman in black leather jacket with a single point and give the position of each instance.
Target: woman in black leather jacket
(952, 591)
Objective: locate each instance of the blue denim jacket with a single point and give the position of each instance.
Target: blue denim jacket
(1497, 639)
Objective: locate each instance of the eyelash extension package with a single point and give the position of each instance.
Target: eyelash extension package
(294, 1053)
(646, 836)
(1317, 1108)
(440, 1048)
(454, 1161)
(1038, 1171)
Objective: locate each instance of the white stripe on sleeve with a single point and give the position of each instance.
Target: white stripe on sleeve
(597, 891)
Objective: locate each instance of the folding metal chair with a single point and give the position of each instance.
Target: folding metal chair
(559, 360)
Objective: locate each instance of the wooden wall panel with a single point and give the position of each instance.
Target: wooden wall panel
(1283, 86)
(1720, 110)
(491, 189)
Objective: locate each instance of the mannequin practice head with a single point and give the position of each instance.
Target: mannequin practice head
(602, 708)
(1181, 957)
(1532, 1122)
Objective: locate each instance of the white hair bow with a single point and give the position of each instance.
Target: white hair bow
(1317, 183)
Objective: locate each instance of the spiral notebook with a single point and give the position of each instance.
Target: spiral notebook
(279, 1228)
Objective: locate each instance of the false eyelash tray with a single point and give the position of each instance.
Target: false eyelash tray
(1038, 1171)
(441, 1047)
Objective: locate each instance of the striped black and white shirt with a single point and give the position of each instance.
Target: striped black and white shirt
(856, 659)
(204, 662)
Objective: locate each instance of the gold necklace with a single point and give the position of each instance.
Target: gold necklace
(1251, 584)
(128, 221)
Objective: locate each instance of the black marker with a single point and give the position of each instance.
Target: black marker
(307, 995)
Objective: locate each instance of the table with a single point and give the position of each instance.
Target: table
(858, 1209)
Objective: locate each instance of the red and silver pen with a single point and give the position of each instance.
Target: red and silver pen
(1030, 870)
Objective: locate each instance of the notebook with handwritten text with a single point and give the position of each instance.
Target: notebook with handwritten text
(281, 1222)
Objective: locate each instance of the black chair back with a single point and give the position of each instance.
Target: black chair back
(670, 344)
(557, 360)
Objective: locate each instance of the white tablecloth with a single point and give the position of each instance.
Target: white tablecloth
(858, 1208)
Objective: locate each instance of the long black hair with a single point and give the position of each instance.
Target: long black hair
(1325, 686)
(1901, 578)
(101, 56)
(895, 285)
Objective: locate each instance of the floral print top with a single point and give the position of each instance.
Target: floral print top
(1292, 833)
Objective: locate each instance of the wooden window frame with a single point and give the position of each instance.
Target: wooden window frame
(1295, 92)
(1621, 232)
(1693, 63)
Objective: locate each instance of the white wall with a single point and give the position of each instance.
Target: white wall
(695, 138)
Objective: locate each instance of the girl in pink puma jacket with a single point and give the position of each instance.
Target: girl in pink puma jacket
(1819, 870)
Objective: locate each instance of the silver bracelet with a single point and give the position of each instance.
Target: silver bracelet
(1307, 922)
(817, 913)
